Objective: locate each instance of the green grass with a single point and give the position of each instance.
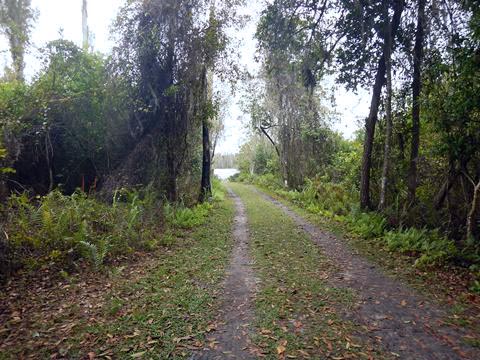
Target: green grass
(163, 310)
(333, 201)
(446, 284)
(174, 304)
(296, 308)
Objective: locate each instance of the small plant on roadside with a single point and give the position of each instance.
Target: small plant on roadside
(367, 225)
(184, 217)
(475, 287)
(429, 246)
(95, 253)
(61, 230)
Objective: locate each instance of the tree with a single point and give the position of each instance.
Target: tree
(452, 95)
(314, 34)
(206, 184)
(85, 30)
(373, 114)
(64, 130)
(16, 21)
(166, 50)
(298, 41)
(416, 91)
(214, 42)
(388, 110)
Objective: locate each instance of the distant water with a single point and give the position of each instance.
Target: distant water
(224, 174)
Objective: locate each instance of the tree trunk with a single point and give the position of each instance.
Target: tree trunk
(18, 55)
(85, 31)
(447, 185)
(416, 90)
(388, 131)
(48, 158)
(169, 117)
(172, 192)
(472, 215)
(214, 148)
(372, 116)
(206, 190)
(207, 97)
(264, 131)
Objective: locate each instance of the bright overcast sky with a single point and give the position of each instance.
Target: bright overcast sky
(55, 15)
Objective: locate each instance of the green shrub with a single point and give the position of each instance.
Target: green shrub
(470, 252)
(329, 196)
(62, 229)
(368, 225)
(475, 287)
(318, 196)
(269, 181)
(184, 217)
(218, 191)
(95, 253)
(243, 178)
(429, 245)
(180, 216)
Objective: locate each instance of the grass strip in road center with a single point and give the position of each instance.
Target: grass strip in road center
(298, 314)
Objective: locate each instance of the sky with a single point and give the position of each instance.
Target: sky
(64, 16)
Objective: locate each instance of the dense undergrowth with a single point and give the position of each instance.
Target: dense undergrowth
(429, 247)
(158, 304)
(69, 231)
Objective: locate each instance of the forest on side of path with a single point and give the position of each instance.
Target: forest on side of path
(98, 151)
(409, 180)
(106, 160)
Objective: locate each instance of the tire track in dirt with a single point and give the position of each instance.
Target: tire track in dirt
(403, 322)
(231, 339)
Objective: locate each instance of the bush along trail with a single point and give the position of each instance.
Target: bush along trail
(244, 277)
(159, 304)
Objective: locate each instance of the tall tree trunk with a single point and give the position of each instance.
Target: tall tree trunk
(18, 56)
(207, 98)
(388, 130)
(16, 18)
(264, 131)
(169, 116)
(49, 160)
(214, 147)
(206, 189)
(373, 114)
(416, 90)
(85, 31)
(369, 136)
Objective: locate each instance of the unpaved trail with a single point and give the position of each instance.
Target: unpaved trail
(403, 322)
(231, 338)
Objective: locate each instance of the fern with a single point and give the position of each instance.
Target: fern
(430, 247)
(96, 253)
(367, 225)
